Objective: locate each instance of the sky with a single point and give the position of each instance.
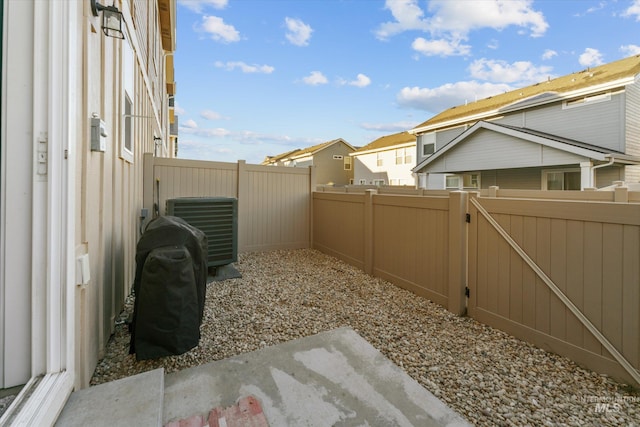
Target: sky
(258, 78)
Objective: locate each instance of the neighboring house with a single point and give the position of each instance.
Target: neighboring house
(330, 159)
(573, 132)
(387, 160)
(80, 107)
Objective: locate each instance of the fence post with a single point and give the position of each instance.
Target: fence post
(458, 208)
(147, 182)
(312, 188)
(241, 193)
(621, 194)
(368, 231)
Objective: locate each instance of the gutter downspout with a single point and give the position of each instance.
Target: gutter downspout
(593, 168)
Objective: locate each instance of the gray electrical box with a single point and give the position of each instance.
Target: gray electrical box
(98, 134)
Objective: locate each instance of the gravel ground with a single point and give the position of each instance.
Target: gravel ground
(486, 375)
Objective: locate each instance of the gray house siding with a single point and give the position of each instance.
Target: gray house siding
(632, 125)
(600, 123)
(521, 179)
(487, 150)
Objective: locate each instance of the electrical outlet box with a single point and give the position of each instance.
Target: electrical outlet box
(98, 135)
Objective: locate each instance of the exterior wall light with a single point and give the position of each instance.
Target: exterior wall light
(111, 19)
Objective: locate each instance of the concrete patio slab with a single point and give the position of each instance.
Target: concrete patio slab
(131, 401)
(334, 378)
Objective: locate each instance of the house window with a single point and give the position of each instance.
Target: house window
(128, 137)
(428, 148)
(347, 163)
(378, 182)
(568, 179)
(363, 182)
(337, 157)
(407, 156)
(399, 156)
(126, 145)
(579, 102)
(464, 181)
(379, 159)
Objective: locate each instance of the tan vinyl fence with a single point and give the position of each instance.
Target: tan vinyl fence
(274, 203)
(560, 272)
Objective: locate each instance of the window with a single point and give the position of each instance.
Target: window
(378, 182)
(337, 157)
(127, 148)
(464, 181)
(347, 163)
(363, 182)
(128, 137)
(407, 155)
(569, 179)
(399, 156)
(379, 159)
(579, 102)
(428, 148)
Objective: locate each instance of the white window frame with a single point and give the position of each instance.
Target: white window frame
(379, 159)
(337, 157)
(428, 144)
(378, 182)
(586, 100)
(547, 172)
(128, 100)
(460, 177)
(399, 156)
(348, 163)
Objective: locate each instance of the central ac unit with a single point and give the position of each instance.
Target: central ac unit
(217, 217)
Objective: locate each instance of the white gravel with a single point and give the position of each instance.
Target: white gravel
(488, 376)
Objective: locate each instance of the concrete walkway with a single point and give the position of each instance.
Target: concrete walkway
(334, 378)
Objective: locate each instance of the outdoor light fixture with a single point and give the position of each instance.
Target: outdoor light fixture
(111, 19)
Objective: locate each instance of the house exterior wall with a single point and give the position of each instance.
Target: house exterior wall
(366, 166)
(109, 188)
(632, 130)
(328, 169)
(486, 149)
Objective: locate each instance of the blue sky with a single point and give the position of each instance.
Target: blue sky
(262, 77)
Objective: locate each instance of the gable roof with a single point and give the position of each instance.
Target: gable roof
(278, 157)
(310, 151)
(553, 141)
(603, 77)
(387, 141)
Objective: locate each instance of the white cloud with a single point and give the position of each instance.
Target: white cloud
(448, 95)
(206, 132)
(189, 124)
(315, 78)
(450, 22)
(630, 50)
(408, 16)
(548, 54)
(440, 47)
(211, 115)
(633, 10)
(591, 58)
(360, 81)
(522, 72)
(244, 67)
(218, 30)
(179, 110)
(460, 18)
(198, 6)
(298, 33)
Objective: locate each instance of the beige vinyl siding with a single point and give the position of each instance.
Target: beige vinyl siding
(606, 176)
(632, 127)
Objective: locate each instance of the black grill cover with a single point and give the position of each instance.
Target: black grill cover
(170, 286)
